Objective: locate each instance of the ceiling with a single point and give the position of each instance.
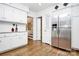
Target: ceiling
(36, 7)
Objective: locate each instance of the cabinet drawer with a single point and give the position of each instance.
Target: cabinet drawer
(4, 44)
(2, 35)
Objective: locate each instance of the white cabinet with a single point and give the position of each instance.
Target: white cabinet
(75, 32)
(20, 16)
(75, 27)
(4, 43)
(12, 40)
(6, 13)
(1, 12)
(3, 46)
(12, 14)
(75, 11)
(22, 38)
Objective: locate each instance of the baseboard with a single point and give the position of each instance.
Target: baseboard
(47, 43)
(62, 48)
(76, 49)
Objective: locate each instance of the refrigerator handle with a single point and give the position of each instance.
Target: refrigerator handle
(58, 31)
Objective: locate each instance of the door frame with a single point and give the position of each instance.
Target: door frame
(32, 22)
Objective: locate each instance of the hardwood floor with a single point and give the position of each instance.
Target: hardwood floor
(36, 48)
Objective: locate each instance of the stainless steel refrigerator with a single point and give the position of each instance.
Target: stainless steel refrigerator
(61, 32)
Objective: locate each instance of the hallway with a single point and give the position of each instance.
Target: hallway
(36, 48)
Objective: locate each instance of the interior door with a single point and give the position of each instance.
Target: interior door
(46, 29)
(64, 32)
(55, 38)
(38, 28)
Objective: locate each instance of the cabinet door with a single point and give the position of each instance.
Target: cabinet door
(24, 17)
(20, 16)
(12, 40)
(22, 37)
(75, 11)
(75, 32)
(1, 12)
(4, 44)
(17, 40)
(9, 13)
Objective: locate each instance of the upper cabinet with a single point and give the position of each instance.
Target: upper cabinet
(1, 11)
(75, 11)
(21, 16)
(12, 14)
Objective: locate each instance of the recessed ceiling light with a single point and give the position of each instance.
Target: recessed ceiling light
(56, 7)
(65, 4)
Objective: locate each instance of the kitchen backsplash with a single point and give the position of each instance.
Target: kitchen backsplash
(6, 27)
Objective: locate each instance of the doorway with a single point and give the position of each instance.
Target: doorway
(30, 27)
(39, 28)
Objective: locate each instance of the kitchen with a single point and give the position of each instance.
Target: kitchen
(57, 27)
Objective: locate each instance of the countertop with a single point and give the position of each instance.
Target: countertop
(12, 32)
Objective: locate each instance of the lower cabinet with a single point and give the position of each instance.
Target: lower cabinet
(12, 40)
(4, 44)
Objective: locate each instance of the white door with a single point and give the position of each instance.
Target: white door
(38, 28)
(46, 29)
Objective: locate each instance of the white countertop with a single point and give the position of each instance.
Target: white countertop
(12, 32)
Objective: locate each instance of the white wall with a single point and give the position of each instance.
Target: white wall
(75, 27)
(6, 27)
(75, 32)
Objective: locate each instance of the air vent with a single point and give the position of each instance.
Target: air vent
(65, 4)
(56, 7)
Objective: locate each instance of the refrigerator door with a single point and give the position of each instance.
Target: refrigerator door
(64, 32)
(55, 31)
